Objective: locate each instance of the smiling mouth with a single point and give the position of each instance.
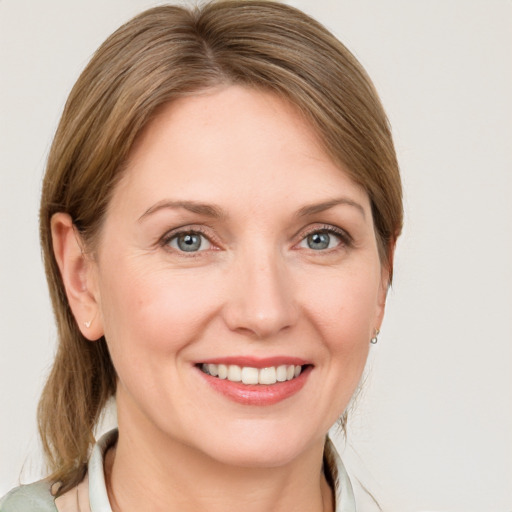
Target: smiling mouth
(249, 375)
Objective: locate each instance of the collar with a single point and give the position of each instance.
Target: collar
(98, 497)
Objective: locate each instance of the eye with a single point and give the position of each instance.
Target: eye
(190, 241)
(321, 240)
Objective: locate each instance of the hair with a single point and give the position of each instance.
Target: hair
(163, 54)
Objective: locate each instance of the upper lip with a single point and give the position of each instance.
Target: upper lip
(256, 362)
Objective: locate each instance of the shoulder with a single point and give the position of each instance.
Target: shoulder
(35, 497)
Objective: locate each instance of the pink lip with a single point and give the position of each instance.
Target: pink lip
(256, 362)
(258, 394)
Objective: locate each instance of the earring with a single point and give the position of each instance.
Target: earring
(87, 324)
(375, 339)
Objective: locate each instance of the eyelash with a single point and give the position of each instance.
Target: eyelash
(192, 230)
(346, 239)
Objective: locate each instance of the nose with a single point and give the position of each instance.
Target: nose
(260, 298)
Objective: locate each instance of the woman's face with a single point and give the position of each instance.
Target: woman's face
(233, 244)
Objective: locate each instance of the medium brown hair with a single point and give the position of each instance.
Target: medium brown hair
(163, 54)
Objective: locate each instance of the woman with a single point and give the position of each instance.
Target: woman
(219, 214)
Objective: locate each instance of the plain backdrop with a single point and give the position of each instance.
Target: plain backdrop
(433, 427)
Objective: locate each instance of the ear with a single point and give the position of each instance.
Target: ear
(78, 274)
(385, 282)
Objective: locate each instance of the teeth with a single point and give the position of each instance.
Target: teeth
(267, 376)
(281, 373)
(223, 371)
(249, 375)
(234, 373)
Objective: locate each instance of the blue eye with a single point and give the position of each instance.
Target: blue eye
(321, 240)
(189, 242)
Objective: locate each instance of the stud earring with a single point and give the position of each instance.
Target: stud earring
(375, 339)
(87, 324)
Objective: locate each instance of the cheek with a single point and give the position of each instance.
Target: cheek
(345, 306)
(153, 314)
(344, 311)
(349, 323)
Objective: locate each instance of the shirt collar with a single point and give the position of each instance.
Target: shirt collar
(98, 497)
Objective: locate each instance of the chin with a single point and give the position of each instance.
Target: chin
(261, 447)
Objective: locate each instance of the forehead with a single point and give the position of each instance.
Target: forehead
(233, 140)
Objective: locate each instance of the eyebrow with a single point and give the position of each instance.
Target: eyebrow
(215, 212)
(192, 206)
(327, 205)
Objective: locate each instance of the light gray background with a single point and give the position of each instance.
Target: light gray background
(434, 425)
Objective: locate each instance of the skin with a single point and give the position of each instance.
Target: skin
(255, 288)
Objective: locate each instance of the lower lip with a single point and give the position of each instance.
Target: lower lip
(258, 394)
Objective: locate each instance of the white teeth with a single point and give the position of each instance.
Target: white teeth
(250, 375)
(234, 373)
(267, 376)
(281, 373)
(223, 371)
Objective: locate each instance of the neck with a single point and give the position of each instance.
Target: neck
(155, 473)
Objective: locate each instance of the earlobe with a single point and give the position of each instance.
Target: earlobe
(76, 269)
